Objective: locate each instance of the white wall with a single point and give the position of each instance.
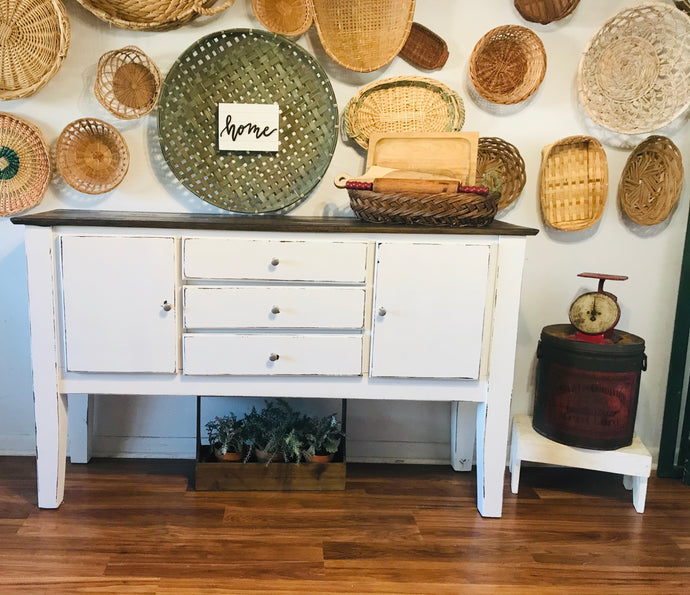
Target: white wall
(165, 426)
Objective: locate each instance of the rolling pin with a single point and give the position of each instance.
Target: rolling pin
(422, 186)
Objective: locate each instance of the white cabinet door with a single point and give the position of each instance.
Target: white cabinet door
(429, 310)
(118, 302)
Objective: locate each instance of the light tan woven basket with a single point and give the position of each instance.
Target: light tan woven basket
(651, 182)
(34, 38)
(501, 167)
(574, 181)
(285, 17)
(545, 11)
(634, 76)
(92, 156)
(363, 35)
(402, 104)
(128, 83)
(24, 165)
(152, 15)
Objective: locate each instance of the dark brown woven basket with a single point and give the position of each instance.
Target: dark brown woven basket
(446, 209)
(545, 11)
(424, 48)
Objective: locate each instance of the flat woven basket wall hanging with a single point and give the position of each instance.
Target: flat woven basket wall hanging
(545, 11)
(651, 181)
(424, 48)
(285, 17)
(34, 38)
(634, 76)
(574, 182)
(501, 167)
(24, 165)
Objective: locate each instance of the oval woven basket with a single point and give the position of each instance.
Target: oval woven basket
(24, 165)
(508, 64)
(128, 83)
(363, 35)
(574, 182)
(152, 15)
(545, 11)
(424, 48)
(402, 104)
(501, 167)
(651, 181)
(634, 75)
(92, 156)
(285, 17)
(34, 38)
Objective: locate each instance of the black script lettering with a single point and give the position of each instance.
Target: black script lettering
(235, 131)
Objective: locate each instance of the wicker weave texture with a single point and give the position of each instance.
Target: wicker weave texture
(285, 17)
(24, 165)
(403, 104)
(651, 182)
(424, 48)
(501, 167)
(634, 76)
(34, 38)
(363, 35)
(574, 182)
(92, 156)
(545, 11)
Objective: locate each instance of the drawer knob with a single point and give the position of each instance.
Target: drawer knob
(382, 311)
(275, 261)
(167, 306)
(275, 310)
(274, 357)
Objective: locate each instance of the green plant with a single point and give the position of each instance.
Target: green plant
(321, 435)
(275, 429)
(226, 434)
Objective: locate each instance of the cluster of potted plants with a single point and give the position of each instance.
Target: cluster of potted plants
(275, 433)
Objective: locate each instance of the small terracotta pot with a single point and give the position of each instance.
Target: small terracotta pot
(262, 456)
(327, 458)
(228, 456)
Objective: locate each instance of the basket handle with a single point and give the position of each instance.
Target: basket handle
(211, 10)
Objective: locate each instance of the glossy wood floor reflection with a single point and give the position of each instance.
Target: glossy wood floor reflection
(137, 527)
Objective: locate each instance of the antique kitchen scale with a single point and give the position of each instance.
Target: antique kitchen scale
(588, 374)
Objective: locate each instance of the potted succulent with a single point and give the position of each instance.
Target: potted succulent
(226, 435)
(322, 437)
(273, 433)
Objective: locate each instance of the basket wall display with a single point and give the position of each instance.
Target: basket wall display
(128, 83)
(501, 167)
(24, 165)
(651, 182)
(545, 11)
(507, 64)
(573, 183)
(152, 15)
(274, 70)
(424, 48)
(92, 156)
(402, 104)
(285, 17)
(363, 35)
(634, 76)
(34, 37)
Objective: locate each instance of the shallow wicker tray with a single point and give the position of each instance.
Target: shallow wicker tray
(501, 167)
(651, 181)
(573, 183)
(545, 11)
(508, 64)
(274, 70)
(34, 38)
(24, 165)
(285, 17)
(363, 35)
(402, 104)
(424, 48)
(634, 75)
(92, 156)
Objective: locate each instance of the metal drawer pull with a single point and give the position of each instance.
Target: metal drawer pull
(274, 357)
(382, 311)
(167, 306)
(275, 310)
(275, 261)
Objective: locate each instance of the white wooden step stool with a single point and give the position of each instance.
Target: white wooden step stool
(634, 461)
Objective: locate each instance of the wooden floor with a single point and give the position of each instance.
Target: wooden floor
(138, 527)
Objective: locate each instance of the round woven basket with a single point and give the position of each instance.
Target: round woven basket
(92, 156)
(508, 64)
(34, 38)
(501, 167)
(634, 76)
(285, 17)
(545, 11)
(128, 83)
(152, 15)
(651, 181)
(24, 165)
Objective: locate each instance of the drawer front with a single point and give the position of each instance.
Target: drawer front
(274, 307)
(272, 355)
(315, 260)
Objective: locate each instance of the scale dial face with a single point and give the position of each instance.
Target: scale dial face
(594, 313)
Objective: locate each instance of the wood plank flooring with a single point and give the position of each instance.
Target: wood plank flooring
(137, 527)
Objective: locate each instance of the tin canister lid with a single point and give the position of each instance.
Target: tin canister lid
(564, 336)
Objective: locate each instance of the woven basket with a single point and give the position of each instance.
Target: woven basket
(508, 64)
(363, 35)
(24, 165)
(128, 83)
(651, 181)
(92, 156)
(34, 38)
(545, 11)
(634, 76)
(683, 5)
(285, 17)
(402, 104)
(446, 209)
(152, 15)
(573, 183)
(501, 167)
(424, 48)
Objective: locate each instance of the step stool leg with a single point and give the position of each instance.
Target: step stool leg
(514, 462)
(639, 488)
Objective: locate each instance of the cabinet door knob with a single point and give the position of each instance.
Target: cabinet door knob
(274, 357)
(167, 306)
(382, 311)
(275, 261)
(275, 310)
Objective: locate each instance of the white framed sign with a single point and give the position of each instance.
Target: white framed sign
(248, 127)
